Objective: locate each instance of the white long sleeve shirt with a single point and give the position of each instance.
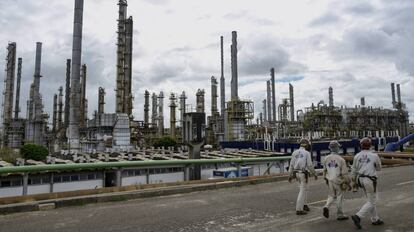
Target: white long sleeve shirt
(335, 168)
(301, 161)
(366, 163)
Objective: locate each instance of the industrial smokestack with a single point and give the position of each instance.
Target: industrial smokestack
(362, 101)
(264, 110)
(292, 103)
(272, 78)
(393, 95)
(146, 108)
(67, 93)
(154, 109)
(60, 105)
(173, 120)
(19, 78)
(399, 95)
(9, 83)
(331, 100)
(269, 101)
(200, 101)
(161, 114)
(54, 119)
(214, 96)
(73, 130)
(234, 74)
(222, 80)
(38, 62)
(83, 114)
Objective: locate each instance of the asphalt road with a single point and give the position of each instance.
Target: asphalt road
(263, 207)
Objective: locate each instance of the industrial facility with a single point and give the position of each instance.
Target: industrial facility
(69, 130)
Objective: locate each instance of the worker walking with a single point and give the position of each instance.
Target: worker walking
(335, 173)
(364, 171)
(301, 166)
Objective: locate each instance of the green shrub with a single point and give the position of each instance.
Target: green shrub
(8, 155)
(34, 152)
(165, 142)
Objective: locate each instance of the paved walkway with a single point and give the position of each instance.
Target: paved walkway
(263, 207)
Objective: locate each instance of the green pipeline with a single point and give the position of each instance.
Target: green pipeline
(129, 164)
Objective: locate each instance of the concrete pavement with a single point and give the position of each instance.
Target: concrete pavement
(263, 207)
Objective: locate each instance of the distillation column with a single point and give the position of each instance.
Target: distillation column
(269, 101)
(9, 84)
(19, 78)
(173, 119)
(182, 112)
(67, 93)
(154, 109)
(393, 95)
(200, 101)
(146, 108)
(292, 103)
(83, 106)
(222, 81)
(161, 114)
(54, 118)
(331, 99)
(272, 79)
(120, 71)
(214, 96)
(60, 111)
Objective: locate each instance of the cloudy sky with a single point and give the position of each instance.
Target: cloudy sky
(357, 47)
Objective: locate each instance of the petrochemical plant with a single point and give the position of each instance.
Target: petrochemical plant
(232, 119)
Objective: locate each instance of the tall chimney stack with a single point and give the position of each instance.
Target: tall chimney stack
(393, 95)
(362, 101)
(182, 112)
(19, 78)
(272, 78)
(234, 73)
(73, 130)
(222, 80)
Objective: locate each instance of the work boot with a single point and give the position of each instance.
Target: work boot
(357, 221)
(378, 222)
(342, 218)
(301, 212)
(306, 208)
(326, 212)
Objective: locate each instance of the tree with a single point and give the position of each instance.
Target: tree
(165, 142)
(34, 152)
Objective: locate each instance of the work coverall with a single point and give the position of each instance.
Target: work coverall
(364, 169)
(301, 165)
(335, 172)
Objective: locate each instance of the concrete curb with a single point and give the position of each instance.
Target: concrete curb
(136, 194)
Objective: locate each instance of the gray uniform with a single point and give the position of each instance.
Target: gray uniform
(300, 165)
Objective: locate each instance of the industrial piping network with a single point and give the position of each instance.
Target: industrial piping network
(390, 147)
(125, 164)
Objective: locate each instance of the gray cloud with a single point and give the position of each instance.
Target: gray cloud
(262, 52)
(326, 19)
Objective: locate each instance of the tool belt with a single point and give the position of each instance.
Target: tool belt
(300, 171)
(372, 178)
